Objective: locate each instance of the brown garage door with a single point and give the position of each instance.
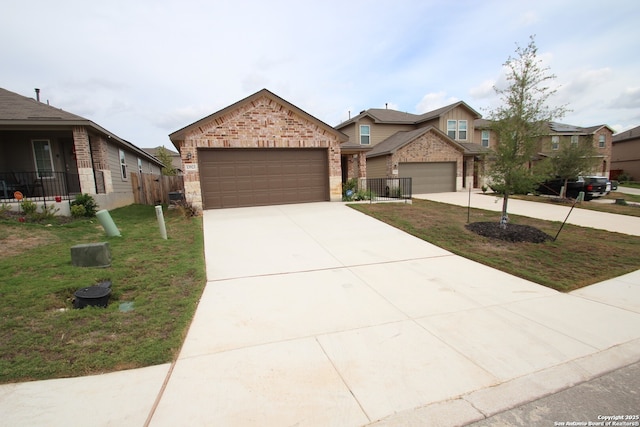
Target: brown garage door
(438, 177)
(231, 177)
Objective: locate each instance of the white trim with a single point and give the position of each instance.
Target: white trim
(368, 134)
(483, 139)
(453, 128)
(122, 160)
(35, 159)
(466, 130)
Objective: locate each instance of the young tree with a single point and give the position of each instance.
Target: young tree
(520, 123)
(573, 160)
(164, 157)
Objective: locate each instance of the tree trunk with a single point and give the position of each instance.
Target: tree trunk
(563, 190)
(505, 218)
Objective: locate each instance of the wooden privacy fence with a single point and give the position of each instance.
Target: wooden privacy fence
(151, 189)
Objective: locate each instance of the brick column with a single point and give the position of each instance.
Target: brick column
(362, 171)
(100, 155)
(191, 177)
(83, 159)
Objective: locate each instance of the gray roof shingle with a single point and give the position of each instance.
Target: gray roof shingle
(18, 108)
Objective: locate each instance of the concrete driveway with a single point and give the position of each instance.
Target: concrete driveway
(316, 314)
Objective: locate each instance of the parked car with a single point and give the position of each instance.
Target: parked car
(614, 185)
(592, 186)
(596, 186)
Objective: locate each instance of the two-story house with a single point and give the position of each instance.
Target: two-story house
(436, 149)
(625, 154)
(558, 134)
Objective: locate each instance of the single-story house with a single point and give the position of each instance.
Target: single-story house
(49, 154)
(262, 150)
(625, 154)
(436, 149)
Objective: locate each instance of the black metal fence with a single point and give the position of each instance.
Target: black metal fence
(38, 186)
(391, 189)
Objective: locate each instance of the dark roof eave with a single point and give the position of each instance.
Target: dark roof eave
(180, 133)
(35, 123)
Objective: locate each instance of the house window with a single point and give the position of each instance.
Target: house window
(485, 138)
(574, 139)
(462, 130)
(43, 158)
(601, 141)
(451, 129)
(555, 142)
(123, 165)
(140, 165)
(365, 134)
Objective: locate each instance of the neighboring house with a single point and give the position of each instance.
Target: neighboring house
(47, 153)
(600, 136)
(435, 149)
(176, 161)
(625, 155)
(262, 150)
(557, 135)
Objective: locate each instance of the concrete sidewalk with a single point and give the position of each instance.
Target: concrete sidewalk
(583, 217)
(318, 315)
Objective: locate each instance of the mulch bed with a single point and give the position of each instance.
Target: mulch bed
(512, 232)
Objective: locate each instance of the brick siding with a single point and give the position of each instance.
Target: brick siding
(261, 123)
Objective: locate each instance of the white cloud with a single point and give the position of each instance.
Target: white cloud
(483, 90)
(629, 98)
(432, 101)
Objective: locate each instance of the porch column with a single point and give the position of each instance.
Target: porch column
(101, 161)
(362, 171)
(83, 159)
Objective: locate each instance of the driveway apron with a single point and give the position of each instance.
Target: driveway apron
(315, 314)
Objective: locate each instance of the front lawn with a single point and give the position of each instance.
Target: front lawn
(603, 204)
(156, 286)
(581, 256)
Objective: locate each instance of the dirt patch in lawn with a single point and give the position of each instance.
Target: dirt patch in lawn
(15, 241)
(510, 232)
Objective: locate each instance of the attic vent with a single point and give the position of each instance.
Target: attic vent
(362, 111)
(43, 118)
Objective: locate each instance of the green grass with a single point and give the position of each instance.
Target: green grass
(42, 336)
(580, 256)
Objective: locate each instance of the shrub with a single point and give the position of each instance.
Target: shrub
(186, 209)
(89, 204)
(78, 211)
(46, 213)
(28, 207)
(625, 177)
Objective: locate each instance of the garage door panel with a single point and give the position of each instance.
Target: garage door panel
(430, 177)
(258, 177)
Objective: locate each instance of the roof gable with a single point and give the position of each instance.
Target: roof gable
(264, 93)
(443, 110)
(387, 116)
(403, 138)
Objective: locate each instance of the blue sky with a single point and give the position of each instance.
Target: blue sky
(143, 69)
